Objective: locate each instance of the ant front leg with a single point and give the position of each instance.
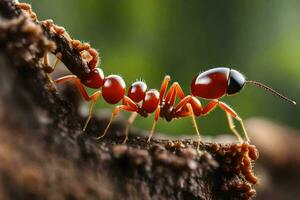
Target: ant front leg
(127, 105)
(94, 97)
(230, 113)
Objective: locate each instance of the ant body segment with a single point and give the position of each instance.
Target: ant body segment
(210, 85)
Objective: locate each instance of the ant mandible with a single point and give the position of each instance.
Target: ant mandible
(211, 85)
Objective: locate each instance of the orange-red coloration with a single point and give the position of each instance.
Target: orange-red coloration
(95, 79)
(137, 91)
(113, 89)
(151, 101)
(196, 105)
(211, 84)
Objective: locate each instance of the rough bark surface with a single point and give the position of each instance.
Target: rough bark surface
(44, 155)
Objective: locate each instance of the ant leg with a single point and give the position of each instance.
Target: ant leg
(94, 97)
(127, 101)
(77, 83)
(232, 127)
(129, 122)
(233, 114)
(182, 103)
(115, 113)
(170, 95)
(58, 60)
(194, 109)
(195, 125)
(48, 69)
(163, 87)
(154, 124)
(179, 91)
(174, 90)
(193, 101)
(230, 114)
(190, 112)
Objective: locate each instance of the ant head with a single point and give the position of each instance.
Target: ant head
(137, 91)
(95, 78)
(236, 82)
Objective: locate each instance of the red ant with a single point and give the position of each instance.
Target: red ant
(211, 84)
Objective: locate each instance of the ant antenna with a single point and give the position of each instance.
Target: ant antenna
(272, 91)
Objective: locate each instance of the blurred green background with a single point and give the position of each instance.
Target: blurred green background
(149, 39)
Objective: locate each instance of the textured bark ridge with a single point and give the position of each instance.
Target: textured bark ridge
(44, 155)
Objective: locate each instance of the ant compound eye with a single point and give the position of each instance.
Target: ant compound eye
(151, 101)
(113, 89)
(236, 82)
(211, 84)
(137, 91)
(95, 79)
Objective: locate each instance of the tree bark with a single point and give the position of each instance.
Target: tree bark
(45, 155)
